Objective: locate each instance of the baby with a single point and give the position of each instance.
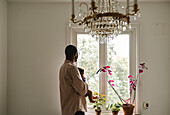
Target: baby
(89, 93)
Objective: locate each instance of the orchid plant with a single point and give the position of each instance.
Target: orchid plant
(107, 69)
(133, 82)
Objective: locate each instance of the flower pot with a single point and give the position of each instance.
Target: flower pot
(128, 109)
(98, 112)
(115, 112)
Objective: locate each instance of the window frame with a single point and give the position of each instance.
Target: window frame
(134, 57)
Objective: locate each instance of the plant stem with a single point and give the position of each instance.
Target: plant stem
(134, 96)
(117, 93)
(135, 89)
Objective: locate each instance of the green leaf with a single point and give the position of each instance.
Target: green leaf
(94, 106)
(111, 105)
(107, 108)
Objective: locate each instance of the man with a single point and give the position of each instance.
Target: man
(72, 88)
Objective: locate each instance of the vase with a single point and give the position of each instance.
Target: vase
(115, 112)
(98, 112)
(128, 109)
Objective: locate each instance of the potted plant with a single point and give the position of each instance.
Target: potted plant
(107, 69)
(115, 108)
(100, 102)
(128, 105)
(133, 82)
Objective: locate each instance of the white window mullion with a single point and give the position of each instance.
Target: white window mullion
(102, 62)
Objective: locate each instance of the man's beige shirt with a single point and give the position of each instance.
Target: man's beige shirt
(72, 89)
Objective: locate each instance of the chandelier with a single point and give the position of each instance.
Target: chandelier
(105, 19)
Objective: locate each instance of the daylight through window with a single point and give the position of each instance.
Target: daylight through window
(117, 53)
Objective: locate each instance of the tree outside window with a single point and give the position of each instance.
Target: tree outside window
(117, 58)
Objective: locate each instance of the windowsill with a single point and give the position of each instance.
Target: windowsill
(91, 111)
(104, 112)
(107, 114)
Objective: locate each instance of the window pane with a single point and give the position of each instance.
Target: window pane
(118, 59)
(88, 59)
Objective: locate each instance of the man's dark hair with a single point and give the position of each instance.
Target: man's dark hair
(70, 51)
(81, 70)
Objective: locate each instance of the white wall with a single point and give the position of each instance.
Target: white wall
(36, 42)
(155, 51)
(3, 57)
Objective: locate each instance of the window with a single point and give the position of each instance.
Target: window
(122, 54)
(118, 60)
(88, 59)
(117, 57)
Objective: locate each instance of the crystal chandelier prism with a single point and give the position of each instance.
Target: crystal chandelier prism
(104, 19)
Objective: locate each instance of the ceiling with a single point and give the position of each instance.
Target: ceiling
(79, 0)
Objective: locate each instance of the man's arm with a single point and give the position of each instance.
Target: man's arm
(77, 83)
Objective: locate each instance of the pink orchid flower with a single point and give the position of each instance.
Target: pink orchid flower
(129, 76)
(143, 66)
(131, 82)
(127, 100)
(103, 70)
(111, 81)
(140, 71)
(134, 87)
(113, 85)
(106, 66)
(109, 71)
